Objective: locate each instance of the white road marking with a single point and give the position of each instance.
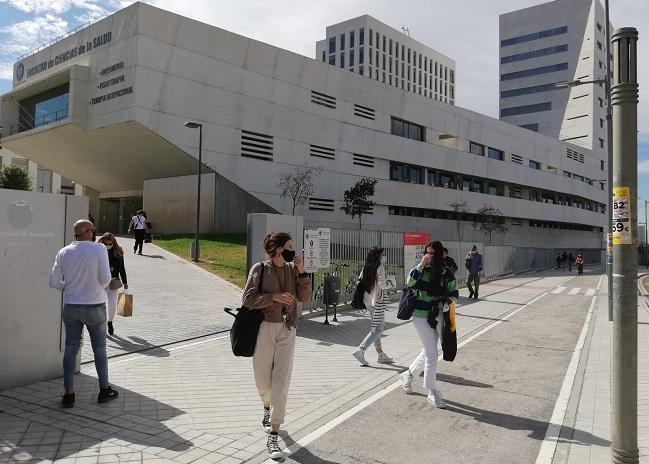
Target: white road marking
(549, 445)
(574, 291)
(390, 388)
(590, 292)
(558, 290)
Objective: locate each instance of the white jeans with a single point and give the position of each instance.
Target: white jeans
(427, 359)
(111, 306)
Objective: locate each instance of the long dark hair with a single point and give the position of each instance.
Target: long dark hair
(372, 263)
(437, 263)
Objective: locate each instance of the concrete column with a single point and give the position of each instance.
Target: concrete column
(624, 401)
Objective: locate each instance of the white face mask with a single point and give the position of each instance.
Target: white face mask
(384, 259)
(109, 246)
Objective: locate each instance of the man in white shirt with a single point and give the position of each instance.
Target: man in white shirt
(81, 270)
(138, 226)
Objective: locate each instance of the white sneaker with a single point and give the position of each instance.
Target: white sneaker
(274, 451)
(436, 399)
(360, 355)
(384, 358)
(406, 382)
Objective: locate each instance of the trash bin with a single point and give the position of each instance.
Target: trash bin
(331, 291)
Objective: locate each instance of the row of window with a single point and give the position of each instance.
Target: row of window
(534, 36)
(412, 174)
(407, 129)
(481, 150)
(472, 217)
(534, 54)
(526, 109)
(528, 90)
(534, 71)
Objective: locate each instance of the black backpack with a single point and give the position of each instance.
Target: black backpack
(357, 299)
(407, 303)
(244, 331)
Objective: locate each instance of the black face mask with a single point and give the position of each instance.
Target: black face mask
(288, 255)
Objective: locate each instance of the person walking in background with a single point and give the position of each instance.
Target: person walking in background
(571, 261)
(558, 261)
(436, 289)
(284, 283)
(138, 226)
(373, 282)
(82, 271)
(580, 263)
(118, 275)
(473, 263)
(450, 262)
(564, 260)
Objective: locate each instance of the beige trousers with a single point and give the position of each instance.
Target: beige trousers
(273, 365)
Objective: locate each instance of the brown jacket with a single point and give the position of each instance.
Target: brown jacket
(274, 277)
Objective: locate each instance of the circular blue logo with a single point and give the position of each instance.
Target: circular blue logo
(20, 71)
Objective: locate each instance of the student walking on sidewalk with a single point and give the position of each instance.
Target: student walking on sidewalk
(284, 284)
(117, 273)
(436, 289)
(81, 271)
(373, 282)
(473, 263)
(138, 226)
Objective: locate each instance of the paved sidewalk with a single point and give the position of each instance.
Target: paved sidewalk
(173, 300)
(593, 410)
(198, 403)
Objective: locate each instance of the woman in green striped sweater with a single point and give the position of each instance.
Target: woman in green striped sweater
(436, 289)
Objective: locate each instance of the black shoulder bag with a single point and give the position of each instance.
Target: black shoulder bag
(244, 331)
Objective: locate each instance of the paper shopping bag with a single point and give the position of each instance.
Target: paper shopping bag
(125, 305)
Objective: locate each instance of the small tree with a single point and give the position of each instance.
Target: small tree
(489, 220)
(15, 178)
(298, 186)
(358, 199)
(460, 215)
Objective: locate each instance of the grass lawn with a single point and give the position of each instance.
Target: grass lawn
(221, 254)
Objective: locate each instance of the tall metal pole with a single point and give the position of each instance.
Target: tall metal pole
(624, 362)
(609, 162)
(197, 249)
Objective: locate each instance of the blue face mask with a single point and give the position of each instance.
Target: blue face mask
(383, 260)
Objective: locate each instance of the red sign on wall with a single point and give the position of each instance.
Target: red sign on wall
(416, 238)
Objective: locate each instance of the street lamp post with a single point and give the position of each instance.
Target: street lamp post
(195, 250)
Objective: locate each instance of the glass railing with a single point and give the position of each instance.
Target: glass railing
(40, 121)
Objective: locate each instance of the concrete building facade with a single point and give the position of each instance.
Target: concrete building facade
(540, 46)
(137, 76)
(370, 48)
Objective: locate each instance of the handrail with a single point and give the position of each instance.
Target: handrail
(53, 41)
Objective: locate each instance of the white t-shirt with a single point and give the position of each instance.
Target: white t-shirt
(138, 222)
(82, 271)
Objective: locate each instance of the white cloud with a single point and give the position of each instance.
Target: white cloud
(6, 70)
(26, 35)
(643, 167)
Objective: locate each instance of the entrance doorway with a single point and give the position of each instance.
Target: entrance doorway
(115, 213)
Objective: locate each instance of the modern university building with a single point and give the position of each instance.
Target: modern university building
(130, 81)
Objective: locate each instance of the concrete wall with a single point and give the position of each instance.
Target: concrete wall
(33, 228)
(259, 225)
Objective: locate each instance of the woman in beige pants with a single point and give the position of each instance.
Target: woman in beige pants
(284, 284)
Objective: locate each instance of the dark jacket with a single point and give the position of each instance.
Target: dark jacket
(450, 263)
(475, 265)
(117, 269)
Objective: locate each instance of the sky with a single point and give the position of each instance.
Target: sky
(465, 30)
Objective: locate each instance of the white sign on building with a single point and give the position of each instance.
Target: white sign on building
(317, 249)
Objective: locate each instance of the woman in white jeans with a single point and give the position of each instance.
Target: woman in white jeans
(436, 288)
(372, 280)
(118, 275)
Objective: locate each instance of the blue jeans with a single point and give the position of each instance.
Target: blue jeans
(94, 318)
(374, 336)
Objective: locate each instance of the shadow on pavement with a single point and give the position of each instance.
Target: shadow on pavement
(137, 345)
(42, 430)
(302, 455)
(153, 256)
(348, 332)
(537, 428)
(461, 381)
(482, 317)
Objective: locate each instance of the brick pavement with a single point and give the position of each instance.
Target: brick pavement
(173, 300)
(199, 404)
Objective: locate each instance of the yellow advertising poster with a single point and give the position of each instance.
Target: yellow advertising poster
(622, 224)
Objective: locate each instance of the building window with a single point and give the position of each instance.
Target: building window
(396, 50)
(390, 50)
(342, 60)
(324, 56)
(599, 44)
(44, 180)
(476, 149)
(525, 109)
(599, 27)
(452, 76)
(401, 172)
(533, 127)
(496, 154)
(407, 129)
(534, 54)
(601, 122)
(601, 164)
(332, 60)
(361, 36)
(351, 39)
(534, 71)
(351, 57)
(601, 103)
(384, 43)
(332, 45)
(360, 70)
(361, 55)
(601, 143)
(534, 36)
(342, 41)
(535, 165)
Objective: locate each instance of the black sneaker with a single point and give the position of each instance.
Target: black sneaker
(68, 400)
(274, 451)
(111, 331)
(265, 422)
(106, 395)
(470, 295)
